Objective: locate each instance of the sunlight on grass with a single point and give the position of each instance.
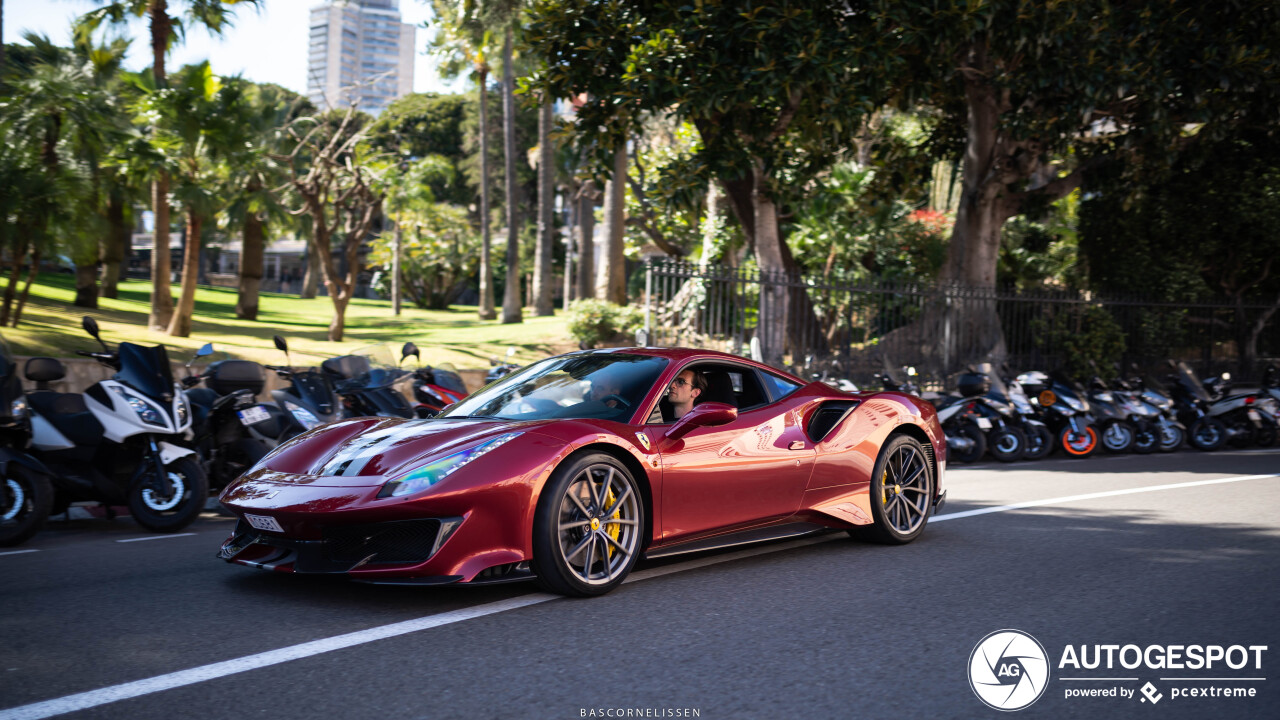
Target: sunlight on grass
(51, 326)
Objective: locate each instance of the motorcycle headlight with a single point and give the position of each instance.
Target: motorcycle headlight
(146, 413)
(428, 475)
(183, 410)
(1075, 403)
(18, 408)
(304, 416)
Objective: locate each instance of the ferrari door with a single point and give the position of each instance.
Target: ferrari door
(751, 471)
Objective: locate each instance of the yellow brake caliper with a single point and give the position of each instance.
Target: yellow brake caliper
(614, 529)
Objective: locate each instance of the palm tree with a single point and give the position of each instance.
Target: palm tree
(212, 14)
(463, 41)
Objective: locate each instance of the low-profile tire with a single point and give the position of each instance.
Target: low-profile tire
(1078, 445)
(1207, 433)
(1117, 437)
(976, 451)
(1039, 442)
(1008, 445)
(588, 528)
(902, 490)
(176, 503)
(25, 501)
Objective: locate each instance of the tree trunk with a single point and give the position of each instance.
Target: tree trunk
(774, 296)
(395, 269)
(161, 298)
(86, 286)
(113, 245)
(340, 301)
(311, 279)
(26, 288)
(611, 275)
(511, 308)
(180, 324)
(486, 311)
(587, 241)
(542, 274)
(15, 272)
(251, 258)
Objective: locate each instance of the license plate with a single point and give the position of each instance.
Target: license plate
(252, 415)
(984, 423)
(263, 522)
(1254, 415)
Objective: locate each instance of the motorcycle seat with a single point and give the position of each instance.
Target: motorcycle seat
(69, 414)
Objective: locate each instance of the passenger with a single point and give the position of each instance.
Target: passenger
(684, 391)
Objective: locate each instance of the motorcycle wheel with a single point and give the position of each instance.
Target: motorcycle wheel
(1039, 442)
(1207, 434)
(979, 448)
(1076, 444)
(1118, 437)
(176, 503)
(1008, 445)
(25, 501)
(1171, 438)
(1146, 438)
(1265, 435)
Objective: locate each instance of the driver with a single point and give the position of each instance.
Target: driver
(684, 391)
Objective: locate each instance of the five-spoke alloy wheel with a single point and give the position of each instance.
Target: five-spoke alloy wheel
(589, 527)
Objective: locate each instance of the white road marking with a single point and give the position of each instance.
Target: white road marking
(155, 537)
(114, 693)
(1091, 496)
(17, 552)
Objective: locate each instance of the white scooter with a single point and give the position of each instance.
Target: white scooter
(118, 442)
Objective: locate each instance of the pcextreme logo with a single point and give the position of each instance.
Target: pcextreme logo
(1008, 670)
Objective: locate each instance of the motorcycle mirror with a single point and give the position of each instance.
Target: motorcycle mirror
(493, 360)
(280, 343)
(206, 349)
(409, 350)
(91, 327)
(511, 351)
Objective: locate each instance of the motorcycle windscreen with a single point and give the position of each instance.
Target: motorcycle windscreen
(145, 369)
(448, 378)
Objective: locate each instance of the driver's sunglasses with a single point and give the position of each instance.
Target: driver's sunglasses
(679, 382)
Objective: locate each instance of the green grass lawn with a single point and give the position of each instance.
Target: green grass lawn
(51, 326)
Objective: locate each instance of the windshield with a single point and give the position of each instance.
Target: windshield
(447, 377)
(1188, 378)
(604, 386)
(145, 369)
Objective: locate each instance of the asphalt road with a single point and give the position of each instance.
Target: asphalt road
(105, 621)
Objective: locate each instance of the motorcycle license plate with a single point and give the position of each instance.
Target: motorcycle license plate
(984, 423)
(1254, 415)
(249, 416)
(263, 522)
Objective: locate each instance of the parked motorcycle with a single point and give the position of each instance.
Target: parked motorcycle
(434, 387)
(231, 430)
(1191, 403)
(26, 490)
(368, 381)
(1007, 391)
(308, 400)
(119, 443)
(1064, 410)
(961, 424)
(1153, 393)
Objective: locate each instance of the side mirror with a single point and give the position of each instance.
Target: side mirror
(409, 350)
(91, 326)
(280, 343)
(206, 349)
(708, 414)
(511, 352)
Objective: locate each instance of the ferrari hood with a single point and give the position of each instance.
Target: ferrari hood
(376, 448)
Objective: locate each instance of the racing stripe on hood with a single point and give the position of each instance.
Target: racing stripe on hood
(351, 459)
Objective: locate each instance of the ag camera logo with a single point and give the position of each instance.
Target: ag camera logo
(1008, 670)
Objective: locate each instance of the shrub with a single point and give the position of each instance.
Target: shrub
(596, 322)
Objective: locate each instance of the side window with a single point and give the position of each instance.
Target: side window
(778, 387)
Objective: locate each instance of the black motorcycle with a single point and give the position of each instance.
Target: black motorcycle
(435, 387)
(368, 381)
(1063, 408)
(308, 400)
(1191, 403)
(26, 491)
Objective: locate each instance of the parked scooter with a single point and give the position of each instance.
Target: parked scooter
(1112, 414)
(1064, 410)
(232, 431)
(1151, 392)
(434, 387)
(309, 400)
(26, 490)
(1191, 403)
(1007, 391)
(120, 442)
(1249, 412)
(368, 382)
(1006, 441)
(961, 424)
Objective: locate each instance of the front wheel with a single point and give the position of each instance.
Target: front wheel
(1078, 444)
(1171, 437)
(25, 501)
(172, 502)
(1146, 437)
(901, 494)
(1208, 433)
(1039, 442)
(1008, 445)
(1118, 437)
(588, 528)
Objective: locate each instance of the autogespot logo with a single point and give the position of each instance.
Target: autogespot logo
(1008, 670)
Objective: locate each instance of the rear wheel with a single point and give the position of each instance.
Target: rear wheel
(1265, 434)
(1008, 445)
(173, 502)
(970, 445)
(25, 500)
(901, 494)
(1207, 433)
(588, 528)
(1171, 437)
(1078, 444)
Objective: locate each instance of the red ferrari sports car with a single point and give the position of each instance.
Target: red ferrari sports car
(570, 469)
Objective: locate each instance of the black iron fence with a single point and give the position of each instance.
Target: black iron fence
(856, 329)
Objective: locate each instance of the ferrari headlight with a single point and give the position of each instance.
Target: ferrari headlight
(428, 475)
(146, 413)
(305, 417)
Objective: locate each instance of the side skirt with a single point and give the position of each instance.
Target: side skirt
(742, 537)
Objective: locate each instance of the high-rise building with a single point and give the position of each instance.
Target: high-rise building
(360, 52)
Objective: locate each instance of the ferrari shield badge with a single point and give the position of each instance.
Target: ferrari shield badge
(644, 440)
